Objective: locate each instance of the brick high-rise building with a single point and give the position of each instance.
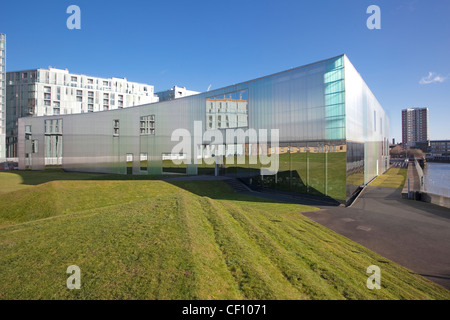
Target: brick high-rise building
(414, 126)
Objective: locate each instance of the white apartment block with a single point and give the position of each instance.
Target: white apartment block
(175, 93)
(2, 96)
(225, 113)
(45, 92)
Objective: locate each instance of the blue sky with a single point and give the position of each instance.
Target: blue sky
(201, 43)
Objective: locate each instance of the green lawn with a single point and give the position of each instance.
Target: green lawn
(147, 239)
(17, 180)
(393, 178)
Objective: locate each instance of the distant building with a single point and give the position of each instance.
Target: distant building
(414, 126)
(435, 149)
(47, 92)
(2, 96)
(175, 93)
(225, 112)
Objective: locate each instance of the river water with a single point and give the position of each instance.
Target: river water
(437, 178)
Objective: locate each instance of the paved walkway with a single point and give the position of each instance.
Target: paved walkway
(413, 178)
(411, 233)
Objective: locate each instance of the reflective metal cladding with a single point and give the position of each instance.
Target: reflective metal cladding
(333, 133)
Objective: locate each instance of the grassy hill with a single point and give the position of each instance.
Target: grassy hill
(393, 178)
(147, 239)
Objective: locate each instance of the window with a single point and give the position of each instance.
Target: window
(53, 126)
(143, 161)
(47, 96)
(374, 121)
(53, 138)
(79, 92)
(34, 146)
(116, 127)
(90, 108)
(129, 163)
(147, 126)
(79, 99)
(73, 79)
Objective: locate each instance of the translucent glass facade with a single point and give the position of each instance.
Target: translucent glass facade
(367, 131)
(332, 133)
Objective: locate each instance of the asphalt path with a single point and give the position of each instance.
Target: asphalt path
(411, 233)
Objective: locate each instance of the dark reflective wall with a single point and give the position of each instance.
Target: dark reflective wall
(316, 168)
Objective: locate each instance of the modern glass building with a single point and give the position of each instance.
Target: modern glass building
(332, 133)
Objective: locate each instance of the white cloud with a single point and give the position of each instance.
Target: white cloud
(432, 78)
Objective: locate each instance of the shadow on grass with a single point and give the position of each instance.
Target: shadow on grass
(214, 189)
(288, 186)
(33, 178)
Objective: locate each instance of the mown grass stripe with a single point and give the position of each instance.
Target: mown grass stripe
(257, 277)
